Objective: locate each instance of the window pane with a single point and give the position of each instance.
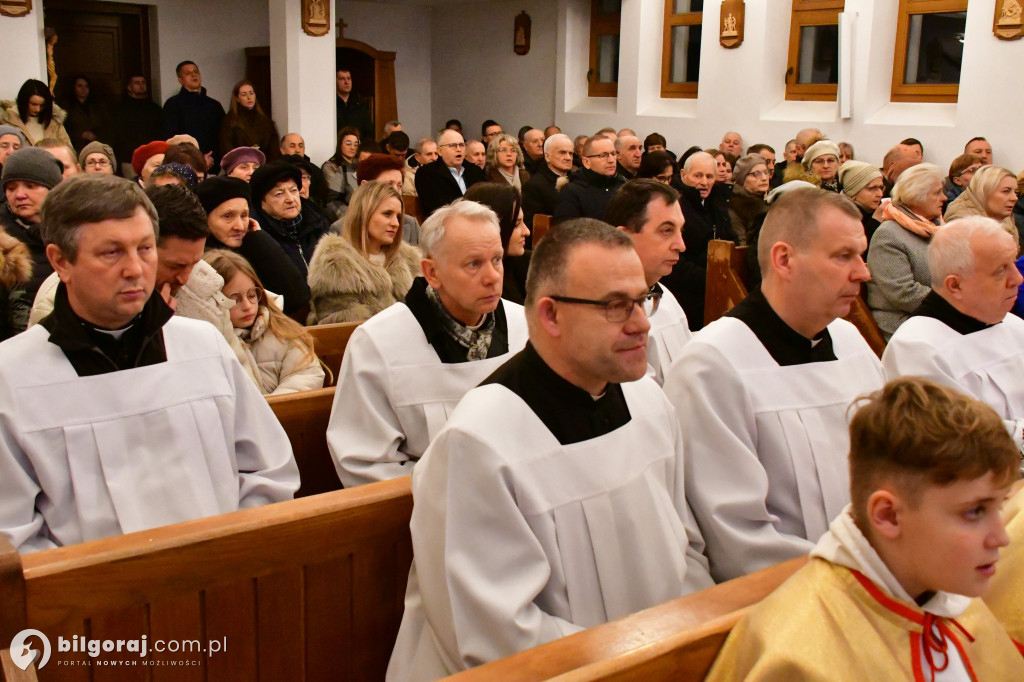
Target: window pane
(687, 6)
(609, 7)
(608, 59)
(818, 61)
(685, 65)
(935, 47)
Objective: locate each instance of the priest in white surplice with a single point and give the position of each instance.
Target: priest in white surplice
(963, 334)
(115, 416)
(762, 393)
(553, 500)
(649, 212)
(406, 368)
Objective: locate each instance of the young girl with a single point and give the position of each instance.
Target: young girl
(279, 351)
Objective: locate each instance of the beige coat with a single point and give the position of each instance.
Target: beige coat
(346, 287)
(280, 366)
(969, 204)
(55, 129)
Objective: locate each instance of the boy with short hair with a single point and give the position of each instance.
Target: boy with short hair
(1006, 596)
(889, 591)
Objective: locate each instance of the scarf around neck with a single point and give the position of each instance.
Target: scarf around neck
(910, 221)
(477, 340)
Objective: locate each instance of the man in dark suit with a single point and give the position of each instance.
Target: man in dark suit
(540, 193)
(447, 178)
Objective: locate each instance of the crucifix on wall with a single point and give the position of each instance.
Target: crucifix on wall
(341, 28)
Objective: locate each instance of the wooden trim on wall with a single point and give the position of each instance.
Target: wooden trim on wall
(931, 92)
(668, 88)
(805, 13)
(601, 24)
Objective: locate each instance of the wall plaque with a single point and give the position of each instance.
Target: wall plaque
(316, 17)
(730, 32)
(1008, 23)
(15, 8)
(521, 34)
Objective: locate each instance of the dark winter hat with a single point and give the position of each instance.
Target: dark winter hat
(746, 164)
(11, 130)
(265, 177)
(215, 190)
(181, 170)
(35, 165)
(240, 155)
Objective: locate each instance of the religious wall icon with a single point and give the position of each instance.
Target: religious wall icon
(1008, 23)
(15, 8)
(316, 17)
(730, 33)
(521, 39)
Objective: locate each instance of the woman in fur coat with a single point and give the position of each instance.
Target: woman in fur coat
(15, 272)
(355, 275)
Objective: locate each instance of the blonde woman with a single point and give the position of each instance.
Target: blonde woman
(505, 162)
(278, 351)
(355, 275)
(992, 193)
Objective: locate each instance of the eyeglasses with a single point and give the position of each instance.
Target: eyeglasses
(619, 309)
(254, 295)
(605, 156)
(667, 178)
(454, 145)
(97, 163)
(758, 174)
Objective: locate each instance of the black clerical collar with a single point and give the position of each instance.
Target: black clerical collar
(786, 345)
(448, 350)
(571, 414)
(938, 308)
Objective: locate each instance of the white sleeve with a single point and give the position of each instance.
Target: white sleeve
(479, 565)
(364, 434)
(266, 466)
(726, 483)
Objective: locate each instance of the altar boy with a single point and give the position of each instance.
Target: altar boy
(1005, 597)
(890, 591)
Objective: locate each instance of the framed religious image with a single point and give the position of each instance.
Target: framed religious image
(316, 17)
(730, 33)
(1008, 23)
(521, 35)
(15, 8)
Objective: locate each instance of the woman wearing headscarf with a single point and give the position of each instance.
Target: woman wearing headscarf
(992, 193)
(820, 166)
(864, 185)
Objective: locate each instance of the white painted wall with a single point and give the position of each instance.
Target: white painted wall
(476, 75)
(405, 30)
(22, 51)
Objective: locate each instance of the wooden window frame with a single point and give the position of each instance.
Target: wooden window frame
(668, 88)
(601, 24)
(931, 92)
(810, 13)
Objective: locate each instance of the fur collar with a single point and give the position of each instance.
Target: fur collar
(15, 261)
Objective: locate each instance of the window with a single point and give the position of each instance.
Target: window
(604, 48)
(680, 48)
(929, 49)
(813, 69)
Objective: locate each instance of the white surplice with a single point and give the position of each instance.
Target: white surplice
(669, 333)
(89, 457)
(766, 445)
(394, 394)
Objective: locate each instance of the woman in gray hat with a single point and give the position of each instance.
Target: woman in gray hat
(750, 178)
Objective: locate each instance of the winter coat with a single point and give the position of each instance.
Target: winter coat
(437, 187)
(54, 129)
(29, 235)
(279, 365)
(347, 287)
(586, 195)
(744, 206)
(540, 194)
(298, 241)
(196, 114)
(249, 129)
(90, 116)
(15, 271)
(136, 122)
(341, 184)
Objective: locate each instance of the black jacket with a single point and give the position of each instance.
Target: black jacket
(136, 122)
(300, 240)
(586, 195)
(196, 114)
(275, 269)
(704, 222)
(355, 113)
(539, 194)
(437, 187)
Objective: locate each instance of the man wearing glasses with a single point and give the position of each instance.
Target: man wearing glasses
(592, 187)
(552, 500)
(446, 178)
(762, 393)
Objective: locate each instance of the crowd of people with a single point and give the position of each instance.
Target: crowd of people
(581, 444)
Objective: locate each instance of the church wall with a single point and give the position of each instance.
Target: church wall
(405, 30)
(476, 75)
(22, 52)
(743, 89)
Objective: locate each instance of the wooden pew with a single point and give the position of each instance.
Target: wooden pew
(726, 286)
(309, 589)
(304, 416)
(329, 342)
(541, 225)
(675, 641)
(411, 206)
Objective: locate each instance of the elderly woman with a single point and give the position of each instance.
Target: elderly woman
(961, 171)
(97, 158)
(898, 254)
(992, 192)
(340, 172)
(506, 203)
(241, 162)
(657, 165)
(505, 162)
(864, 185)
(368, 267)
(819, 167)
(750, 179)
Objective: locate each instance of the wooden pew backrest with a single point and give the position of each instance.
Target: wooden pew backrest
(305, 416)
(310, 589)
(411, 205)
(329, 342)
(541, 225)
(675, 641)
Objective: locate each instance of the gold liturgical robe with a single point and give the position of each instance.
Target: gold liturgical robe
(1006, 593)
(831, 622)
